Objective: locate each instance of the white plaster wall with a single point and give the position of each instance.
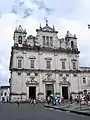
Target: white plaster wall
(74, 87)
(16, 85)
(40, 62)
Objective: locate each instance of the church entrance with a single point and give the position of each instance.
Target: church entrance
(65, 92)
(49, 89)
(32, 92)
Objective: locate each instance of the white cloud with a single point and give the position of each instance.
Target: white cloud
(8, 23)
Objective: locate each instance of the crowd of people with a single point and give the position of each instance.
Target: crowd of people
(82, 98)
(55, 100)
(32, 101)
(78, 99)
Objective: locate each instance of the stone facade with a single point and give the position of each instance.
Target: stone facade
(46, 64)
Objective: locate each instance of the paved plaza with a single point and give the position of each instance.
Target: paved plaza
(35, 112)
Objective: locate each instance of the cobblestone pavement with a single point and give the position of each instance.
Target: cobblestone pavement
(35, 112)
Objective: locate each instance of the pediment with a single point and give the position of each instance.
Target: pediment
(47, 28)
(33, 82)
(51, 80)
(64, 82)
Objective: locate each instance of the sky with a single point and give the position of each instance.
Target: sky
(72, 15)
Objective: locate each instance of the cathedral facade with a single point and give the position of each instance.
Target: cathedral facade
(45, 64)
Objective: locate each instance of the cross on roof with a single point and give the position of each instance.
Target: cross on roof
(46, 21)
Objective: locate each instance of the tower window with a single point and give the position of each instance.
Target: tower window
(72, 44)
(19, 63)
(20, 39)
(63, 65)
(43, 40)
(51, 41)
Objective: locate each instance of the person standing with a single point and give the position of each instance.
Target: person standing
(34, 101)
(48, 99)
(18, 102)
(71, 99)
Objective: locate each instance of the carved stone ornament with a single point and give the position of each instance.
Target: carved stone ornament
(32, 80)
(64, 81)
(32, 57)
(49, 76)
(48, 58)
(32, 76)
(63, 59)
(50, 80)
(20, 29)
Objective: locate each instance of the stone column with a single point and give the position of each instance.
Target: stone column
(61, 91)
(54, 87)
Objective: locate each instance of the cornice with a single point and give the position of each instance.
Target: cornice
(46, 49)
(45, 70)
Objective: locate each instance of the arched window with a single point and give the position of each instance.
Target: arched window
(20, 39)
(72, 44)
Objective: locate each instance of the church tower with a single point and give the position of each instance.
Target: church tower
(19, 36)
(71, 41)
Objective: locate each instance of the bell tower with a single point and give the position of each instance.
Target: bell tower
(71, 41)
(19, 36)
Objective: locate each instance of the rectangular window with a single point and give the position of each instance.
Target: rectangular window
(28, 74)
(19, 73)
(48, 65)
(63, 65)
(32, 63)
(43, 40)
(51, 41)
(19, 63)
(47, 40)
(74, 65)
(84, 80)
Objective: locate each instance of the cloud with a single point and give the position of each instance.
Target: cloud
(7, 26)
(30, 7)
(24, 9)
(41, 5)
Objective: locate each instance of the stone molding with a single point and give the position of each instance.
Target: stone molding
(45, 70)
(32, 82)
